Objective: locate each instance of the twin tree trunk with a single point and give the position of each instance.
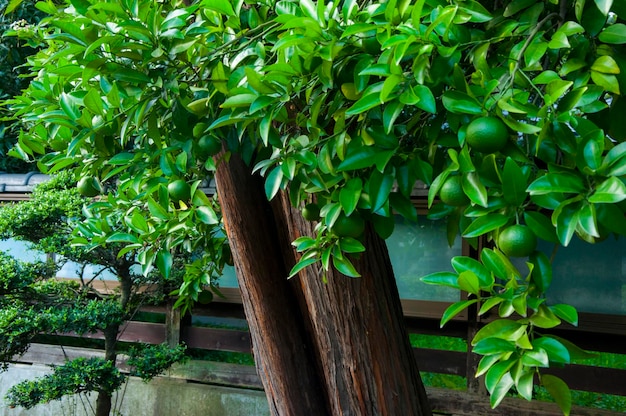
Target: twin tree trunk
(336, 348)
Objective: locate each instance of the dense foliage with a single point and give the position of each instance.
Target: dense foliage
(33, 302)
(13, 54)
(347, 105)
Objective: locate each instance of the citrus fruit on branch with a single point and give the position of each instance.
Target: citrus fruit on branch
(179, 190)
(517, 241)
(311, 212)
(451, 192)
(487, 134)
(348, 226)
(89, 186)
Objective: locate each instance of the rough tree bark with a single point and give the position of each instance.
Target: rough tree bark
(362, 345)
(282, 349)
(362, 356)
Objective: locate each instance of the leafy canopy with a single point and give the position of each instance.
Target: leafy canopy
(348, 104)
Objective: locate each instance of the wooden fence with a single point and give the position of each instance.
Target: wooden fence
(472, 401)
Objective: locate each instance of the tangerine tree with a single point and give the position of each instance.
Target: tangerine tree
(346, 105)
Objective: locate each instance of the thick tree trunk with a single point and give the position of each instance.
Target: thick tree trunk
(363, 348)
(282, 350)
(362, 356)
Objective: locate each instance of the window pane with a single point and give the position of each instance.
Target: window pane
(417, 250)
(591, 277)
(21, 250)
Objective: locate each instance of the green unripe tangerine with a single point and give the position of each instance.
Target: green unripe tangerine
(348, 226)
(451, 192)
(487, 134)
(517, 241)
(179, 190)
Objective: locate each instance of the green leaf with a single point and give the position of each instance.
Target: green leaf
(350, 194)
(474, 189)
(614, 34)
(610, 191)
(380, 185)
(544, 318)
(164, 262)
(463, 263)
(604, 6)
(351, 245)
(542, 271)
(559, 391)
(344, 266)
(513, 183)
(442, 279)
(273, 182)
(501, 328)
(541, 226)
(468, 281)
(498, 263)
(120, 237)
(460, 103)
(490, 346)
(454, 309)
(497, 373)
(557, 182)
(220, 6)
(367, 102)
(537, 357)
(566, 312)
(358, 158)
(606, 65)
(207, 215)
(485, 224)
(301, 265)
(426, 98)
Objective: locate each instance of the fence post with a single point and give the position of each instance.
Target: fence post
(172, 324)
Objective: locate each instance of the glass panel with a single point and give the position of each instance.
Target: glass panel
(417, 250)
(228, 277)
(21, 250)
(591, 277)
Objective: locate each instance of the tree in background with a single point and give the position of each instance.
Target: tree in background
(509, 111)
(13, 53)
(33, 302)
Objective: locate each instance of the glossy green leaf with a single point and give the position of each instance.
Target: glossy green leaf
(207, 215)
(498, 263)
(442, 278)
(490, 346)
(303, 263)
(358, 158)
(559, 391)
(164, 262)
(380, 185)
(350, 194)
(474, 188)
(544, 318)
(461, 103)
(344, 266)
(485, 224)
(513, 183)
(542, 271)
(541, 226)
(501, 328)
(496, 373)
(426, 99)
(610, 191)
(524, 385)
(614, 34)
(351, 245)
(566, 312)
(463, 263)
(365, 103)
(121, 237)
(468, 281)
(557, 182)
(273, 182)
(454, 309)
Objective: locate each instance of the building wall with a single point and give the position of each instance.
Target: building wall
(163, 396)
